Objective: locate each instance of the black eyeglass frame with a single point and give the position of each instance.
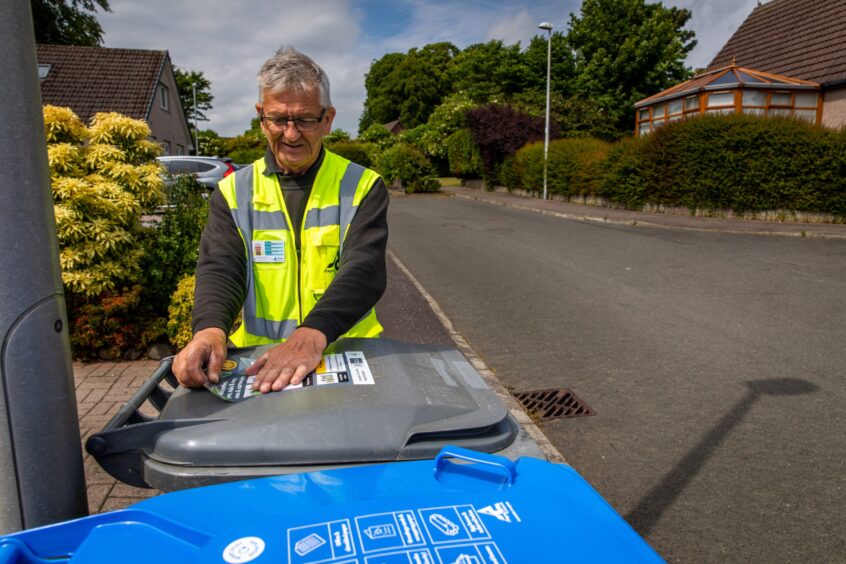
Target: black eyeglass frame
(277, 123)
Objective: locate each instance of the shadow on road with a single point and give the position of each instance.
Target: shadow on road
(649, 510)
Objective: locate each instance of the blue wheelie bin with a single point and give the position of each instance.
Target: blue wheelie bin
(464, 507)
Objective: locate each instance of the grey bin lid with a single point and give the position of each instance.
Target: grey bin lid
(424, 396)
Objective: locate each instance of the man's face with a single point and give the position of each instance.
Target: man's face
(295, 150)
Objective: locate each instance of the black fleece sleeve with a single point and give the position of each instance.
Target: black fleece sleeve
(362, 275)
(221, 275)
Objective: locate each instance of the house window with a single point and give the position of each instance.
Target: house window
(43, 71)
(691, 103)
(718, 99)
(166, 147)
(180, 150)
(163, 97)
(806, 99)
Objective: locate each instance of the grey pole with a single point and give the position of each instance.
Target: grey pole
(41, 473)
(548, 27)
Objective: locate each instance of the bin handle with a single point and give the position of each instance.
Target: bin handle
(488, 462)
(130, 410)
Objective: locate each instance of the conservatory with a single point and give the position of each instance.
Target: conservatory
(731, 89)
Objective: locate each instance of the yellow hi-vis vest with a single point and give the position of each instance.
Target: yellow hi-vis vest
(281, 290)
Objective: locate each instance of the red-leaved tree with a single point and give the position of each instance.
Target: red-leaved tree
(500, 130)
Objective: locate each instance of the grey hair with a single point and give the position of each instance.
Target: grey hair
(289, 69)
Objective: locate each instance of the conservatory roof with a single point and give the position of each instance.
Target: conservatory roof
(726, 78)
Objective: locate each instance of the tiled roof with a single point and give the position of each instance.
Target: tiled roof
(798, 38)
(97, 79)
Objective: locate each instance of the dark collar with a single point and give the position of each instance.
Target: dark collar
(271, 167)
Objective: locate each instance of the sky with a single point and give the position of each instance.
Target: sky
(228, 41)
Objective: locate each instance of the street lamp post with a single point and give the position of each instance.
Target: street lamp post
(548, 27)
(196, 131)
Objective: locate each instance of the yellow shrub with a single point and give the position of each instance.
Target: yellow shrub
(104, 177)
(179, 319)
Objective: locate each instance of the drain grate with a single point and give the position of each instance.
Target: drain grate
(553, 404)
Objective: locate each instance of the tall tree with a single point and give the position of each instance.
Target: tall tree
(184, 81)
(626, 50)
(68, 22)
(562, 68)
(487, 71)
(406, 86)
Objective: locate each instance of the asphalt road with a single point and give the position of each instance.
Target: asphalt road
(715, 363)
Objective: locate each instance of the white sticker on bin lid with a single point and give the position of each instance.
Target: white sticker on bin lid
(245, 549)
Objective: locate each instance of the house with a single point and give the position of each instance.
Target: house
(133, 82)
(787, 58)
(799, 39)
(394, 127)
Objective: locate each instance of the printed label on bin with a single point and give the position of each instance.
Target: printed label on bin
(324, 542)
(452, 534)
(336, 369)
(452, 524)
(476, 553)
(398, 529)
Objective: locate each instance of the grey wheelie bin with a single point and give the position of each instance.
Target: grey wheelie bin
(371, 401)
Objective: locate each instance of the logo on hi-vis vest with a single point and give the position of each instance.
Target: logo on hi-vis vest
(333, 266)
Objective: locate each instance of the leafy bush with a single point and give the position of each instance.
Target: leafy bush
(737, 162)
(499, 131)
(573, 166)
(247, 147)
(172, 246)
(356, 152)
(114, 324)
(179, 313)
(463, 155)
(337, 136)
(409, 166)
(446, 119)
(378, 136)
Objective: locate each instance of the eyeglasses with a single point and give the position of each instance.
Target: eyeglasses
(303, 124)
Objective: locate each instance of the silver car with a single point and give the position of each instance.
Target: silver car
(208, 170)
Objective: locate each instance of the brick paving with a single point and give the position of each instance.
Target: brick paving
(101, 388)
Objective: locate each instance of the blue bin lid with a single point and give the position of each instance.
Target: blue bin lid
(463, 508)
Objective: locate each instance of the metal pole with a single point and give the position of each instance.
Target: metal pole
(548, 27)
(196, 130)
(41, 473)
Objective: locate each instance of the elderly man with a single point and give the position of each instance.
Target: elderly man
(296, 241)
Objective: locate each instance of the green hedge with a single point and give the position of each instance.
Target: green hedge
(573, 167)
(409, 166)
(356, 152)
(736, 162)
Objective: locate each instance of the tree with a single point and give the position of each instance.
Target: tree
(211, 143)
(63, 22)
(562, 67)
(489, 72)
(407, 86)
(499, 131)
(626, 50)
(184, 81)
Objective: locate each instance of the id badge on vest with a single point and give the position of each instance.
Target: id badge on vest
(268, 251)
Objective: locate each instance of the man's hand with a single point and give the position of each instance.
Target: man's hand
(206, 350)
(289, 362)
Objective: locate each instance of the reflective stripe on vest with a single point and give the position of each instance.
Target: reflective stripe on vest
(279, 295)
